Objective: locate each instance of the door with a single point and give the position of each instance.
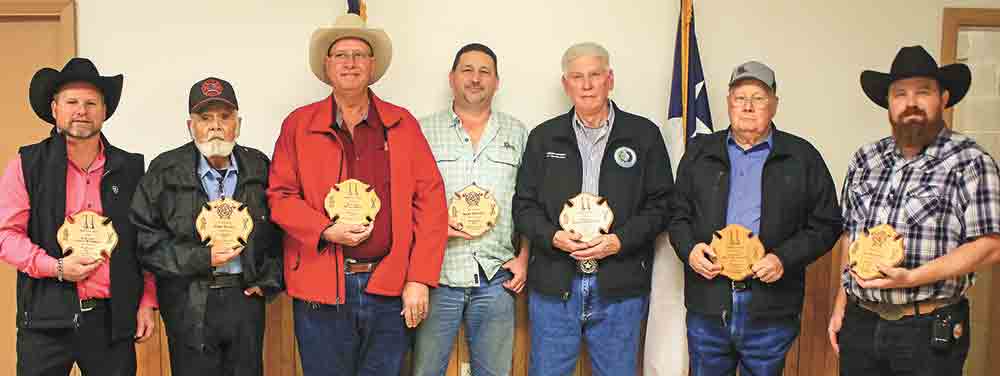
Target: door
(42, 34)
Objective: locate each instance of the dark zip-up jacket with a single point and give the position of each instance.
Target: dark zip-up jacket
(551, 172)
(164, 209)
(800, 219)
(47, 303)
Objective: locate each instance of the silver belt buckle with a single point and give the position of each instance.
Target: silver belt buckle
(347, 262)
(587, 266)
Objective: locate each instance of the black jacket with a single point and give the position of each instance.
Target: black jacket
(551, 173)
(47, 303)
(164, 208)
(800, 219)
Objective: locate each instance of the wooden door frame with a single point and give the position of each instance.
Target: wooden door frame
(952, 20)
(62, 11)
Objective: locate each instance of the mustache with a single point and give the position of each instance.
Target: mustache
(911, 111)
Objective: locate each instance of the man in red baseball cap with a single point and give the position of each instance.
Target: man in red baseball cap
(202, 217)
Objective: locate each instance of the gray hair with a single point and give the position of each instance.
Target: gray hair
(585, 49)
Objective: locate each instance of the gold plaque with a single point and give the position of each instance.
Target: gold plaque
(736, 250)
(474, 210)
(88, 233)
(224, 221)
(352, 202)
(880, 245)
(588, 215)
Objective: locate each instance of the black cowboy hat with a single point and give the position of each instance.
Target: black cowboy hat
(914, 61)
(47, 80)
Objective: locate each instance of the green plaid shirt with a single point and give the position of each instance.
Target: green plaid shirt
(494, 168)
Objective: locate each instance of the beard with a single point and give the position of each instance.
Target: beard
(80, 130)
(917, 131)
(214, 145)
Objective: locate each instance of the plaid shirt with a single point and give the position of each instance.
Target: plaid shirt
(492, 166)
(947, 196)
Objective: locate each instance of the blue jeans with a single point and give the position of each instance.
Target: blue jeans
(364, 336)
(716, 345)
(611, 327)
(488, 313)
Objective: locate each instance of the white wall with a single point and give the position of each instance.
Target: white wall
(817, 48)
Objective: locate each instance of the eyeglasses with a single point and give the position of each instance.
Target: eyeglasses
(344, 56)
(742, 100)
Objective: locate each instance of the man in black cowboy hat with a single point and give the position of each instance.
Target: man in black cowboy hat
(940, 192)
(68, 309)
(212, 292)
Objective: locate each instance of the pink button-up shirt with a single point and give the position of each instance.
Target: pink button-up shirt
(83, 192)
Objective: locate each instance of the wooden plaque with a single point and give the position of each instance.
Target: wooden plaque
(353, 202)
(474, 210)
(588, 215)
(89, 234)
(880, 245)
(736, 249)
(224, 221)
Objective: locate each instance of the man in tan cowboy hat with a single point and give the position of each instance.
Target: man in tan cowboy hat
(940, 192)
(346, 274)
(74, 306)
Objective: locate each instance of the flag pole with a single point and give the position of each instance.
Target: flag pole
(686, 12)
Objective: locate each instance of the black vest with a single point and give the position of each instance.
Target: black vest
(48, 303)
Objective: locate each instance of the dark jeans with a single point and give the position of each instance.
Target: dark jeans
(52, 352)
(870, 345)
(718, 345)
(364, 336)
(234, 338)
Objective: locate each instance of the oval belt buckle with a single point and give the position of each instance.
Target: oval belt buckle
(587, 266)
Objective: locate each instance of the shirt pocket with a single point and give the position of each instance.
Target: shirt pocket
(923, 205)
(504, 156)
(860, 196)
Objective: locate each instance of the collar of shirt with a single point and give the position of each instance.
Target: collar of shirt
(605, 127)
(765, 144)
(207, 172)
(489, 133)
(98, 162)
(339, 115)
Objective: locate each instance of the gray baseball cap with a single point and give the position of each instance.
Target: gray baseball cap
(755, 70)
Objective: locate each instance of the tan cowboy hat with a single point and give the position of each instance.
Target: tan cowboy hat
(349, 25)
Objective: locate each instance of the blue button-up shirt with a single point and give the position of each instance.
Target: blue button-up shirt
(746, 168)
(216, 185)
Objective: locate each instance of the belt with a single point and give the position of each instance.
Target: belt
(893, 312)
(87, 305)
(740, 285)
(225, 280)
(587, 266)
(352, 266)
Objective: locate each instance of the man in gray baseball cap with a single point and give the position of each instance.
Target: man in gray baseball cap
(777, 186)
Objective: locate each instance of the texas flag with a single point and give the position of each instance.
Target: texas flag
(697, 119)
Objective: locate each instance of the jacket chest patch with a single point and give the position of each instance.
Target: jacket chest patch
(625, 157)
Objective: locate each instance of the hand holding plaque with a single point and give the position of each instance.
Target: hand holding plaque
(736, 250)
(352, 202)
(588, 215)
(88, 234)
(474, 210)
(226, 222)
(880, 245)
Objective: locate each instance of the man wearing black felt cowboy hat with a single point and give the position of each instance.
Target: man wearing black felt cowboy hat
(940, 192)
(75, 306)
(202, 218)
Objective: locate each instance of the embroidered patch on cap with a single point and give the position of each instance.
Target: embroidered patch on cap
(625, 157)
(211, 88)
